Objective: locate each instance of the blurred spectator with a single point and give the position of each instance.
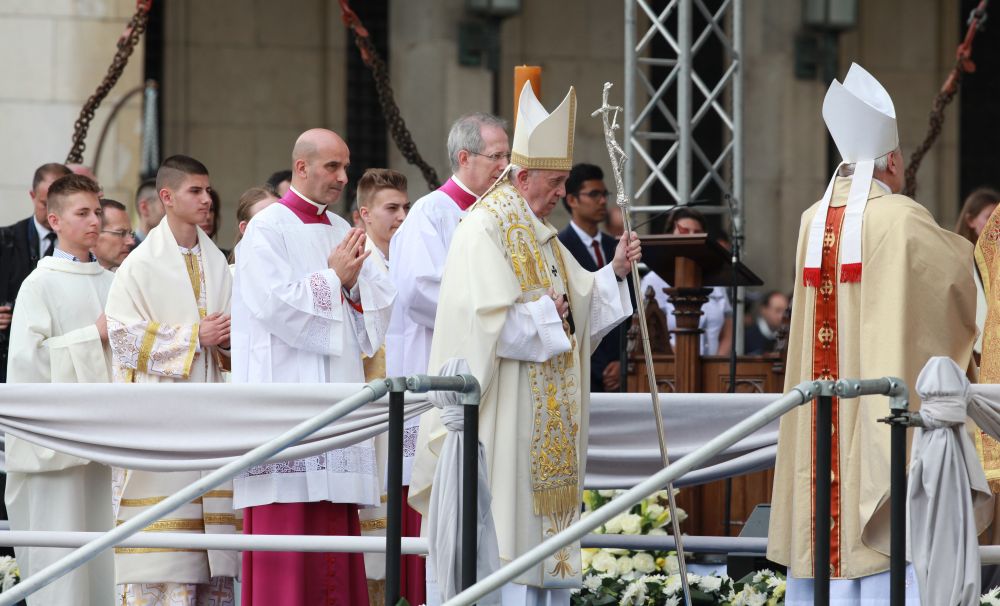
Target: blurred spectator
(762, 334)
(117, 239)
(976, 211)
(279, 182)
(252, 201)
(148, 207)
(716, 319)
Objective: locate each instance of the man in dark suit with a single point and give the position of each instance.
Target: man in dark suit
(586, 200)
(762, 335)
(21, 245)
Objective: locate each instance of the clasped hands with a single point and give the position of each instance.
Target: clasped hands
(347, 259)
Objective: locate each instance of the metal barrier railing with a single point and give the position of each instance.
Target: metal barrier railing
(395, 387)
(823, 392)
(90, 544)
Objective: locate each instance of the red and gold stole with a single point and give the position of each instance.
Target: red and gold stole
(826, 365)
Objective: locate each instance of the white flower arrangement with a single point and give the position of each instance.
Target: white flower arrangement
(10, 574)
(991, 597)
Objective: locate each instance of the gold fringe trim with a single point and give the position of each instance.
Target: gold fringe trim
(172, 524)
(135, 550)
(376, 524)
(222, 519)
(147, 501)
(552, 501)
(146, 347)
(218, 494)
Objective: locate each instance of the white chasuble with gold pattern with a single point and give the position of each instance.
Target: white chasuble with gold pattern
(495, 313)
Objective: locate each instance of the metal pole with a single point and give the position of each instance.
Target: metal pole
(629, 107)
(684, 154)
(738, 216)
(470, 495)
(821, 524)
(394, 479)
(897, 542)
(221, 542)
(576, 531)
(372, 391)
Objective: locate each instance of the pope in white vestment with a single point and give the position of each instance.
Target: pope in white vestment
(497, 310)
(54, 339)
(478, 149)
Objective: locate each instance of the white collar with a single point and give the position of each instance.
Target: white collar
(765, 330)
(459, 183)
(584, 236)
(887, 189)
(320, 208)
(41, 229)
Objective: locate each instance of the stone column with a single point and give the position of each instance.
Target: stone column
(54, 56)
(432, 89)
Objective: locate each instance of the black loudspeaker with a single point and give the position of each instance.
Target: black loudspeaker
(739, 564)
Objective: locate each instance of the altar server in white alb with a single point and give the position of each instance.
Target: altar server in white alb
(168, 318)
(516, 305)
(308, 302)
(59, 335)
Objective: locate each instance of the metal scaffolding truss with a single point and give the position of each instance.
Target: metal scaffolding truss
(666, 100)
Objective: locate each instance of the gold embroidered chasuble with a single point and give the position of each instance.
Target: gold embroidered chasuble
(157, 301)
(533, 415)
(988, 264)
(916, 299)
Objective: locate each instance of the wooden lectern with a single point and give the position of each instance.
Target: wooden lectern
(691, 264)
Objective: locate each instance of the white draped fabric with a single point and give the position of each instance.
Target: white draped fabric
(178, 427)
(174, 427)
(949, 499)
(444, 519)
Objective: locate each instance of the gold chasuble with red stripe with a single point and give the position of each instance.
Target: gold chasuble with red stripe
(915, 299)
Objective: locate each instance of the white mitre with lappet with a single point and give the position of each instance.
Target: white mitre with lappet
(543, 140)
(862, 121)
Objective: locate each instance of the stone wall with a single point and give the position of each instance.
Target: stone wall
(908, 45)
(243, 79)
(55, 53)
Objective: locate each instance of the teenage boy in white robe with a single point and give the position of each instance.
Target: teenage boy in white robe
(59, 335)
(168, 318)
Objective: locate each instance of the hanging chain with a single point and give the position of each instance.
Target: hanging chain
(397, 126)
(126, 44)
(963, 65)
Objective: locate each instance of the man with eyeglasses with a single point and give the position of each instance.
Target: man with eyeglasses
(587, 202)
(117, 239)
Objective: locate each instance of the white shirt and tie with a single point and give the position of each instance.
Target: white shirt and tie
(593, 244)
(46, 239)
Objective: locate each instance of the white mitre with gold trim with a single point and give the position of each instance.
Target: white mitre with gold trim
(543, 140)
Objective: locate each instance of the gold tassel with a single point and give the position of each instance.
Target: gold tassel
(560, 499)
